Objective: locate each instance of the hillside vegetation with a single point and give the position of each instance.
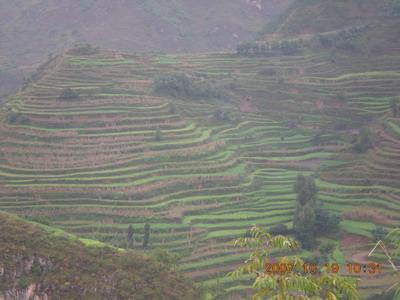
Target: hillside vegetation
(43, 263)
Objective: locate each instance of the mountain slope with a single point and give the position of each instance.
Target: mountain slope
(47, 264)
(29, 30)
(318, 16)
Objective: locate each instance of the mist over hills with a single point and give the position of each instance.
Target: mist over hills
(30, 30)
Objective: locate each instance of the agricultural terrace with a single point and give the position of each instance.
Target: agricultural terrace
(116, 153)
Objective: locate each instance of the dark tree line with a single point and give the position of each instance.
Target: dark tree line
(285, 47)
(181, 85)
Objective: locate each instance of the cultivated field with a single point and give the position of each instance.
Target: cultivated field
(121, 154)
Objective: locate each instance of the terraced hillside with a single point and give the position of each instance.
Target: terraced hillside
(121, 154)
(30, 30)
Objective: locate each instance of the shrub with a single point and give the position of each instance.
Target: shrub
(41, 220)
(279, 229)
(394, 107)
(23, 283)
(83, 49)
(17, 118)
(268, 72)
(363, 142)
(180, 85)
(326, 248)
(379, 233)
(69, 94)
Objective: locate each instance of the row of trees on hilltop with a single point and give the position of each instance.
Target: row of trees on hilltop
(341, 39)
(285, 47)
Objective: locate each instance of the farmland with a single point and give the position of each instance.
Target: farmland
(122, 154)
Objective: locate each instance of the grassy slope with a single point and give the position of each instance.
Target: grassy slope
(43, 261)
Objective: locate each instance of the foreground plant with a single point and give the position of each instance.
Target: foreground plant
(393, 237)
(289, 281)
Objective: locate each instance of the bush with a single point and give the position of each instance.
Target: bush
(83, 49)
(23, 283)
(41, 220)
(285, 47)
(379, 233)
(326, 222)
(180, 85)
(326, 248)
(268, 72)
(394, 107)
(17, 118)
(279, 229)
(363, 142)
(69, 94)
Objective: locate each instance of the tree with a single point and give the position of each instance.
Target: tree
(326, 248)
(363, 142)
(394, 107)
(158, 135)
(180, 85)
(325, 221)
(304, 224)
(305, 188)
(310, 218)
(288, 285)
(393, 238)
(129, 237)
(304, 217)
(379, 233)
(146, 235)
(69, 94)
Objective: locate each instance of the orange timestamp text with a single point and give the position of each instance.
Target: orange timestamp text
(371, 268)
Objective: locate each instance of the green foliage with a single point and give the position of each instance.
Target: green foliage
(279, 229)
(69, 94)
(269, 72)
(305, 188)
(23, 283)
(75, 271)
(83, 50)
(326, 248)
(221, 115)
(158, 135)
(284, 47)
(310, 218)
(304, 217)
(304, 225)
(180, 85)
(40, 220)
(129, 237)
(146, 235)
(288, 285)
(17, 118)
(379, 233)
(165, 257)
(325, 222)
(394, 107)
(363, 142)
